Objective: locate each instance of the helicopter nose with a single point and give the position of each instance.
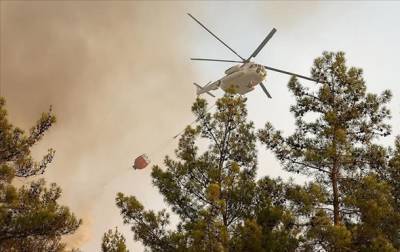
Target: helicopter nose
(261, 71)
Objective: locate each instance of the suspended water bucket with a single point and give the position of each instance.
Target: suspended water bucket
(141, 162)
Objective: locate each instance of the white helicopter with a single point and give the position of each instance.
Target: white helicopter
(241, 78)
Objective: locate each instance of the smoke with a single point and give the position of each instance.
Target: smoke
(118, 77)
(82, 235)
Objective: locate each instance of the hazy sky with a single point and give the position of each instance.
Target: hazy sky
(119, 78)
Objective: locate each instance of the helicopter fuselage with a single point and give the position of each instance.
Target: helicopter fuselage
(242, 78)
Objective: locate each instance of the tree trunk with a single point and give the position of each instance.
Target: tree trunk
(336, 215)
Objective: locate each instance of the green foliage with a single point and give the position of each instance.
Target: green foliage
(30, 217)
(214, 193)
(149, 227)
(113, 242)
(379, 219)
(15, 144)
(392, 172)
(330, 237)
(346, 207)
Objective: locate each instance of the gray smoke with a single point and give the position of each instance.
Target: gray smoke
(118, 77)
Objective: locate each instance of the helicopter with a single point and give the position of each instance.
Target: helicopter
(243, 77)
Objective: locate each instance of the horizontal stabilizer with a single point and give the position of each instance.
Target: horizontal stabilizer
(202, 90)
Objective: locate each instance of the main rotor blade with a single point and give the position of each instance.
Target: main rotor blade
(265, 41)
(265, 90)
(220, 60)
(293, 74)
(215, 36)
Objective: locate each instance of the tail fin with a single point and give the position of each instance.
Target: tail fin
(200, 90)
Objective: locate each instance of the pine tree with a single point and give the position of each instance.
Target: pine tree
(337, 122)
(220, 205)
(30, 217)
(388, 167)
(113, 242)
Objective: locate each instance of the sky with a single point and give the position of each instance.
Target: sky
(118, 76)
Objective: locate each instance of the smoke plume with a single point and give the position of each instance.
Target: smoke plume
(118, 77)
